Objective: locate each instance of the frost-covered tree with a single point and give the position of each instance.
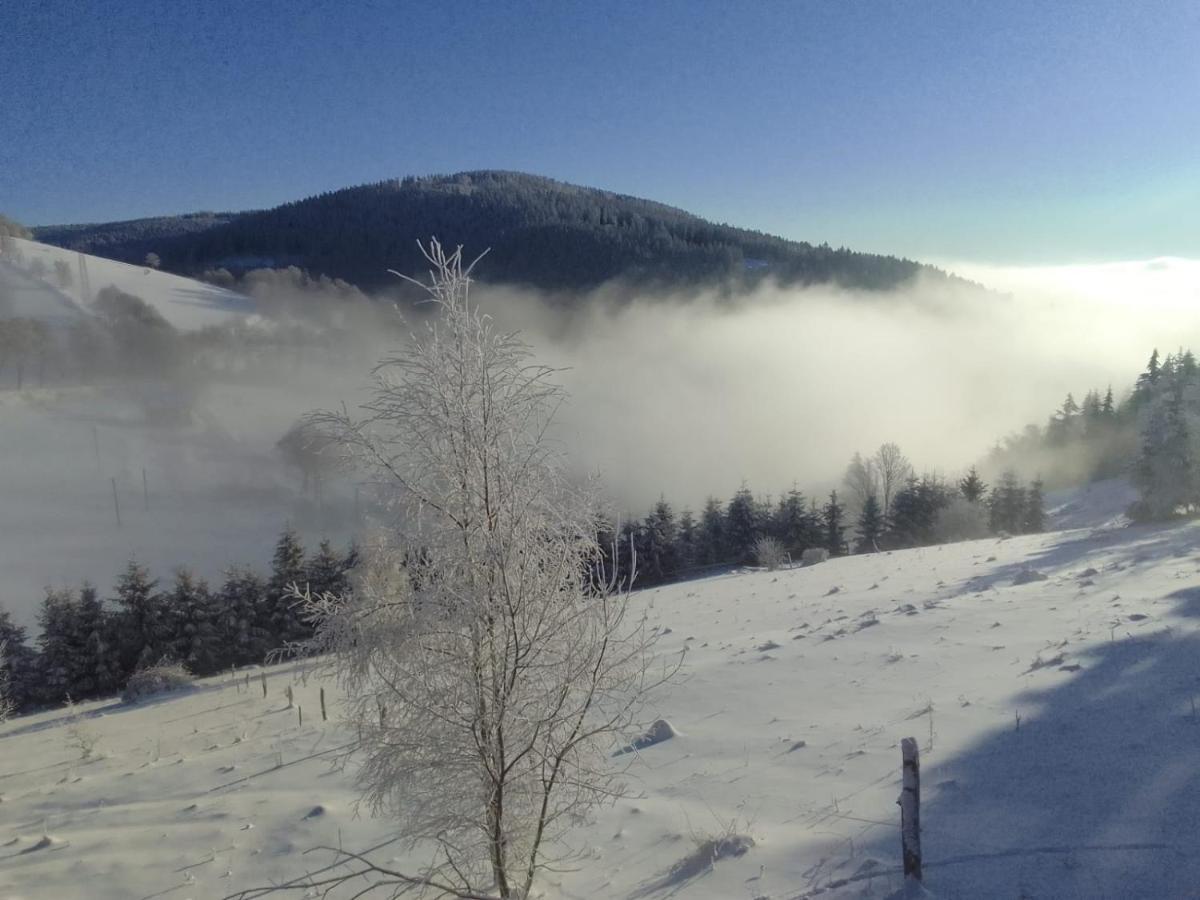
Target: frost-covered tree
(489, 679)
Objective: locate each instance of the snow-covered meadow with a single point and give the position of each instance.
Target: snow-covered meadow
(1056, 720)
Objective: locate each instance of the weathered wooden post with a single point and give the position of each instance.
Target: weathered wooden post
(289, 696)
(910, 809)
(264, 685)
(323, 718)
(300, 715)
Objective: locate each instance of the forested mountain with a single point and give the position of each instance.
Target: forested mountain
(541, 232)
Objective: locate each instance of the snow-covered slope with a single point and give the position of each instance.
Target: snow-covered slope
(185, 303)
(1061, 746)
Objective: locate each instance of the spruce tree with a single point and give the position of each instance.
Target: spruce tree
(238, 618)
(1006, 506)
(686, 540)
(793, 526)
(56, 646)
(711, 548)
(1035, 509)
(20, 663)
(656, 556)
(192, 622)
(835, 531)
(96, 666)
(283, 623)
(327, 570)
(741, 527)
(870, 526)
(143, 639)
(972, 487)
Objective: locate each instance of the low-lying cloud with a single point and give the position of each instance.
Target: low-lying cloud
(688, 395)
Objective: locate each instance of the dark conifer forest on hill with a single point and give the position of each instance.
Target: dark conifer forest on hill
(541, 233)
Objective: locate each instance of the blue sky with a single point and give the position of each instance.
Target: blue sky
(999, 131)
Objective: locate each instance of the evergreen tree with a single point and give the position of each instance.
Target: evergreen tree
(711, 544)
(238, 618)
(143, 639)
(328, 570)
(687, 540)
(1107, 407)
(793, 526)
(20, 663)
(656, 556)
(1165, 472)
(192, 623)
(870, 526)
(972, 487)
(56, 645)
(1006, 505)
(1035, 509)
(96, 666)
(283, 623)
(741, 527)
(835, 531)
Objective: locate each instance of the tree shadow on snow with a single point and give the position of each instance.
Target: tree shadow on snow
(1097, 793)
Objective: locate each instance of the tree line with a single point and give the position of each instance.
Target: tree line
(90, 645)
(884, 506)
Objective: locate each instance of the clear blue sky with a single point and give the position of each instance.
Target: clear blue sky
(1006, 131)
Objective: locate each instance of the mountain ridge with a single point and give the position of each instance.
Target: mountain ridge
(542, 232)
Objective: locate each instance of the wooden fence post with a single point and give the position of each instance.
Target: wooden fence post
(322, 704)
(264, 685)
(910, 809)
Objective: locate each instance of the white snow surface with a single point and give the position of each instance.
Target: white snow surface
(185, 303)
(1060, 744)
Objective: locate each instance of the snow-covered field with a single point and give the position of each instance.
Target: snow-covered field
(1060, 744)
(185, 303)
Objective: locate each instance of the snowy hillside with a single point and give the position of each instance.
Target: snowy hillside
(185, 303)
(1056, 719)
